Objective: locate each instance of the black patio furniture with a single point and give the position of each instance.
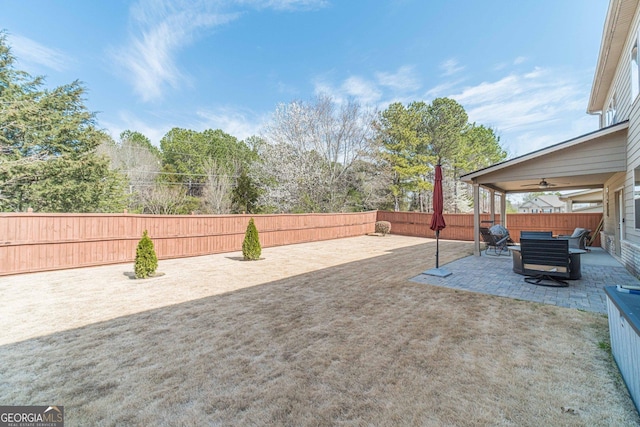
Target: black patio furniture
(578, 239)
(496, 239)
(536, 235)
(546, 260)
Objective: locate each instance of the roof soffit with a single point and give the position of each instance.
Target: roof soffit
(614, 36)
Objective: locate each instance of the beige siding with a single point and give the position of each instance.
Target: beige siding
(621, 85)
(632, 234)
(627, 108)
(633, 143)
(604, 155)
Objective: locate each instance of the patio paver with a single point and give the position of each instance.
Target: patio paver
(494, 276)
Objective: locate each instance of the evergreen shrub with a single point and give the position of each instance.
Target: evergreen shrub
(146, 259)
(251, 248)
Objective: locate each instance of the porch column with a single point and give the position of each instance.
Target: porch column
(503, 209)
(476, 219)
(492, 206)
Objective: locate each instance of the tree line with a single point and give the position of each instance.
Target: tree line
(313, 156)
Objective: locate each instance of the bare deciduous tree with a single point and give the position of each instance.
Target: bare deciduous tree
(137, 162)
(216, 192)
(323, 141)
(164, 199)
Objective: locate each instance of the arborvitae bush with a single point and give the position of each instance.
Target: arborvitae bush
(251, 248)
(383, 227)
(146, 259)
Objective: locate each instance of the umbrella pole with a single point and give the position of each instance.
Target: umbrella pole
(437, 247)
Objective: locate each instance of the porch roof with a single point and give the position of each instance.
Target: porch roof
(584, 196)
(586, 161)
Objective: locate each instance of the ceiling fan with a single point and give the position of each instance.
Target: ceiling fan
(543, 184)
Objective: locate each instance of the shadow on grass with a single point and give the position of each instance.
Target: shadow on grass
(355, 343)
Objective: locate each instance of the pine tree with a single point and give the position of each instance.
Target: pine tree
(48, 142)
(251, 248)
(146, 259)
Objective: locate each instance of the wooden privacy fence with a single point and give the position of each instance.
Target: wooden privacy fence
(460, 226)
(32, 242)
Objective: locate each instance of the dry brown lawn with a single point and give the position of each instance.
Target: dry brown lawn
(329, 333)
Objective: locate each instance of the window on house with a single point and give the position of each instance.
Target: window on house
(610, 117)
(636, 196)
(635, 72)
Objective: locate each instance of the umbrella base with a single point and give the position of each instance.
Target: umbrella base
(438, 272)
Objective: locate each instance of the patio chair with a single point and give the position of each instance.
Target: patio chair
(546, 260)
(536, 235)
(578, 239)
(496, 245)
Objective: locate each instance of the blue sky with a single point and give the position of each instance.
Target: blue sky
(524, 68)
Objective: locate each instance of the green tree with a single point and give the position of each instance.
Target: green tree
(137, 139)
(48, 144)
(402, 148)
(419, 136)
(146, 262)
(245, 194)
(444, 122)
(187, 154)
(251, 248)
(480, 148)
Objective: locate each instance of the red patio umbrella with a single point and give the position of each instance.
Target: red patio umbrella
(437, 220)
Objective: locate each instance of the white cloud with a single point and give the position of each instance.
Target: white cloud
(451, 66)
(30, 51)
(164, 27)
(402, 80)
(239, 123)
(399, 86)
(442, 89)
(364, 91)
(519, 100)
(519, 60)
(288, 5)
(128, 121)
(533, 109)
(160, 28)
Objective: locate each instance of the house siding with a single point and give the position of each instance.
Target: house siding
(631, 257)
(606, 155)
(626, 109)
(621, 85)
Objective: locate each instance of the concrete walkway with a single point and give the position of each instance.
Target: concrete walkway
(494, 276)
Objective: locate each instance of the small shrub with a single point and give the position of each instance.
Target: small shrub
(251, 248)
(146, 259)
(383, 227)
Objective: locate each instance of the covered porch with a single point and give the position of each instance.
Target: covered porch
(585, 162)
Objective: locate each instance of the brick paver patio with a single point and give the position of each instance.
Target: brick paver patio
(494, 276)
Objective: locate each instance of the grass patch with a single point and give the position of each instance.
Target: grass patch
(605, 345)
(347, 343)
